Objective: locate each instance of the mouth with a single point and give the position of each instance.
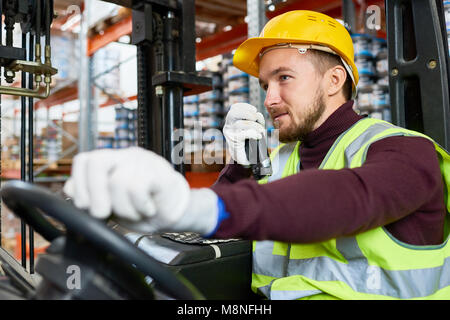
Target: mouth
(278, 116)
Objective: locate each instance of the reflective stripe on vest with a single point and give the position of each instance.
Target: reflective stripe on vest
(371, 265)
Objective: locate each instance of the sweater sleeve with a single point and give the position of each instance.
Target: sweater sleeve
(232, 173)
(400, 176)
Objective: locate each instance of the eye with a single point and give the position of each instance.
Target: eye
(284, 77)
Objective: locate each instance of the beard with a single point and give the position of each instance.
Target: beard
(298, 132)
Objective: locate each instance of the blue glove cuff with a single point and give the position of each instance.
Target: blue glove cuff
(222, 214)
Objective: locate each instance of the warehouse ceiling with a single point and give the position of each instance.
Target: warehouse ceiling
(212, 16)
(215, 15)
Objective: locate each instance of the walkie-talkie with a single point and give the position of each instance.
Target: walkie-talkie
(258, 156)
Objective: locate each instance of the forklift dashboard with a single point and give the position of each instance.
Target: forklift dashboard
(117, 266)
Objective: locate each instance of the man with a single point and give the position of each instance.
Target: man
(356, 209)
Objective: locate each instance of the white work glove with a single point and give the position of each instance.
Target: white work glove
(141, 189)
(243, 121)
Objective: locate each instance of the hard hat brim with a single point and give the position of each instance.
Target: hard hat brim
(246, 57)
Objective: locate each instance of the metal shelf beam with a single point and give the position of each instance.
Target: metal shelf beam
(110, 34)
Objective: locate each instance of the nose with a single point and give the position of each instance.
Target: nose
(272, 96)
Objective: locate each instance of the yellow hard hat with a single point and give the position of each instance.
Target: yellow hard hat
(299, 27)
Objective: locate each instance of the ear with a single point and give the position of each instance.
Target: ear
(336, 77)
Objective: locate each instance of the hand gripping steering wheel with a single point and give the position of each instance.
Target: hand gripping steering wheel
(24, 199)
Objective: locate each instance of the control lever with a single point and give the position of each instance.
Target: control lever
(258, 156)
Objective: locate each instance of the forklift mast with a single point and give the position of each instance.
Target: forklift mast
(419, 68)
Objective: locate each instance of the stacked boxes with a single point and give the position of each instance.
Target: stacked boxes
(236, 85)
(190, 110)
(210, 105)
(204, 116)
(39, 147)
(69, 139)
(105, 141)
(373, 87)
(193, 136)
(211, 114)
(125, 130)
(10, 153)
(54, 143)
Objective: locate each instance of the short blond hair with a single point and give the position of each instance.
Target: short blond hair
(323, 61)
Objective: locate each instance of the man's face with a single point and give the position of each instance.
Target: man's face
(294, 94)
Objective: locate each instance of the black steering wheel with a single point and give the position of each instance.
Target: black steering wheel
(24, 199)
